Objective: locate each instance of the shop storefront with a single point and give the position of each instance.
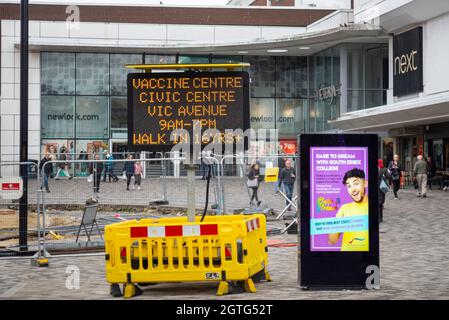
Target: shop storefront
(437, 144)
(83, 95)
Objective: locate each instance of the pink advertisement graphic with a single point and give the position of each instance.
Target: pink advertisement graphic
(339, 199)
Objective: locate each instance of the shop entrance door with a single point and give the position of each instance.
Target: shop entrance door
(119, 149)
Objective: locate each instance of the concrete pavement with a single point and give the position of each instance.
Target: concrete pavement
(414, 264)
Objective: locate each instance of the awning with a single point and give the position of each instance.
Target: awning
(318, 40)
(419, 111)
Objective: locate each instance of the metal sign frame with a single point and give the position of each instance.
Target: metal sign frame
(188, 73)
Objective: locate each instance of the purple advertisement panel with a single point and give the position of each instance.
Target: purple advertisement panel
(339, 199)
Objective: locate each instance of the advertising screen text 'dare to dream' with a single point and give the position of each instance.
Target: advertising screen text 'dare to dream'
(159, 103)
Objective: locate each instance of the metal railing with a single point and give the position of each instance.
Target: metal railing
(162, 188)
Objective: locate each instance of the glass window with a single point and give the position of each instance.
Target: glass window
(60, 150)
(92, 117)
(373, 66)
(92, 74)
(319, 70)
(193, 59)
(373, 98)
(324, 74)
(119, 72)
(355, 66)
(291, 79)
(262, 113)
(289, 117)
(355, 100)
(57, 116)
(159, 59)
(57, 73)
(319, 116)
(119, 115)
(87, 148)
(262, 71)
(227, 59)
(312, 116)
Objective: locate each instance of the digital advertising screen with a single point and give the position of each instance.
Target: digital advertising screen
(339, 218)
(339, 203)
(179, 107)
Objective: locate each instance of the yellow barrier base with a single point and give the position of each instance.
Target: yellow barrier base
(249, 286)
(130, 290)
(267, 277)
(39, 262)
(223, 288)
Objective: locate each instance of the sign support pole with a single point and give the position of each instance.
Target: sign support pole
(191, 192)
(23, 207)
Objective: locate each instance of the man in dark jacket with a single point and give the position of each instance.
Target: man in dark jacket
(96, 168)
(287, 177)
(128, 167)
(47, 170)
(281, 165)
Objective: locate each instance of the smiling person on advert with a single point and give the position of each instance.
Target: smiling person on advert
(356, 185)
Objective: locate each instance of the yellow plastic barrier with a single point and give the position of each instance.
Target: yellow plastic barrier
(271, 174)
(230, 249)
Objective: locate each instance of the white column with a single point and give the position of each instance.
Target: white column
(344, 79)
(390, 98)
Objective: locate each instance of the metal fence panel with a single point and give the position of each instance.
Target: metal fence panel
(10, 233)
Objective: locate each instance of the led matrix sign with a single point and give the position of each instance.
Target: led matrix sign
(159, 103)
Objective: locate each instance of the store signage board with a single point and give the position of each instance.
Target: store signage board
(160, 103)
(408, 62)
(328, 93)
(339, 237)
(11, 188)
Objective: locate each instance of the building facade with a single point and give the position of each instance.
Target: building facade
(312, 70)
(415, 119)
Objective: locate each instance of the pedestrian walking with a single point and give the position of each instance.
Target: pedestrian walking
(420, 174)
(383, 187)
(287, 177)
(281, 164)
(96, 168)
(394, 173)
(253, 183)
(109, 168)
(63, 165)
(138, 170)
(46, 171)
(128, 169)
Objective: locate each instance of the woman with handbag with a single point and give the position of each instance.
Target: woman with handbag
(394, 171)
(253, 182)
